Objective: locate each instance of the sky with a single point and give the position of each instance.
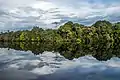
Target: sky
(24, 14)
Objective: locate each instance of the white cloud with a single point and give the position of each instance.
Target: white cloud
(46, 63)
(43, 5)
(23, 13)
(112, 10)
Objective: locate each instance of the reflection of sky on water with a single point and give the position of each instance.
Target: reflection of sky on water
(53, 66)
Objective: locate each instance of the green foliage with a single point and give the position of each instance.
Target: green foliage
(103, 24)
(71, 39)
(22, 36)
(101, 32)
(116, 26)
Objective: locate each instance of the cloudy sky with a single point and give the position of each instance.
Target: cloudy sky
(23, 14)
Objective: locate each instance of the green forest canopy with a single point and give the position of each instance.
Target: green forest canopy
(101, 31)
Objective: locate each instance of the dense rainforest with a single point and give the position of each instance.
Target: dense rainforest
(71, 40)
(100, 32)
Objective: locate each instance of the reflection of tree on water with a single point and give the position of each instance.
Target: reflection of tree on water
(69, 50)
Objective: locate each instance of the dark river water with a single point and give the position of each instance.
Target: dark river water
(25, 65)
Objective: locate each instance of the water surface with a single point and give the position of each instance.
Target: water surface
(17, 64)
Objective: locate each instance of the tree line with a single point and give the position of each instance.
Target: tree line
(99, 32)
